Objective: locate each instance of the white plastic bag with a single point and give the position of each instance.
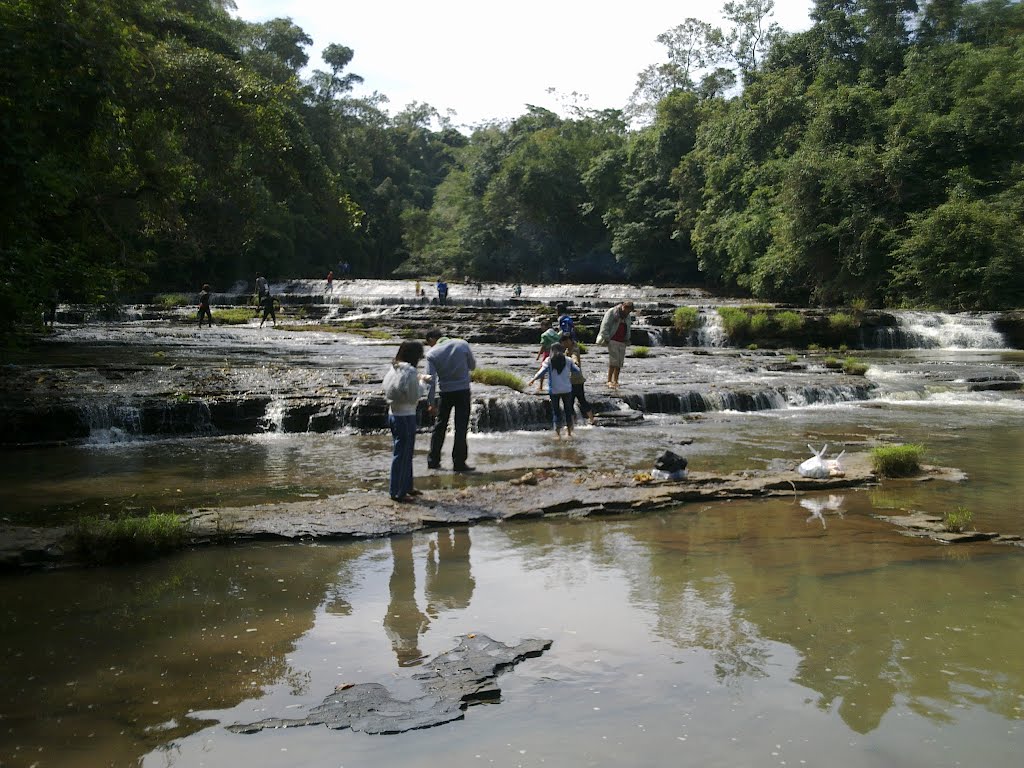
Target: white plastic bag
(818, 467)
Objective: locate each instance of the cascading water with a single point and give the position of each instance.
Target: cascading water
(110, 422)
(273, 417)
(710, 330)
(940, 330)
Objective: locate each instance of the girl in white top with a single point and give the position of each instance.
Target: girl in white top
(402, 390)
(559, 369)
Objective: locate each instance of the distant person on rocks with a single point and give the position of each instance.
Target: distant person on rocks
(204, 306)
(402, 390)
(442, 292)
(262, 289)
(517, 290)
(416, 291)
(559, 369)
(550, 335)
(565, 321)
(615, 328)
(572, 351)
(330, 280)
(268, 310)
(50, 315)
(449, 365)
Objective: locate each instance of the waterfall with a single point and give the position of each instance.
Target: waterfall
(495, 414)
(940, 330)
(111, 422)
(273, 416)
(710, 331)
(746, 401)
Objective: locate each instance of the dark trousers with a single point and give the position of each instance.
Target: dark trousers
(204, 311)
(581, 397)
(460, 401)
(561, 404)
(403, 434)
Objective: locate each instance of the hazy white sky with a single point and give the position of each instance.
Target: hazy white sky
(488, 60)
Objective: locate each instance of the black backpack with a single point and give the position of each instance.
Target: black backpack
(670, 462)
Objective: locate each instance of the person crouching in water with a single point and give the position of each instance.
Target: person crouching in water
(559, 371)
(572, 351)
(402, 390)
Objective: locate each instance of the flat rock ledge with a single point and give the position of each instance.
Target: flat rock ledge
(453, 681)
(568, 491)
(921, 525)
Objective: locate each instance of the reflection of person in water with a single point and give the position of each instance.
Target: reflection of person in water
(404, 622)
(449, 578)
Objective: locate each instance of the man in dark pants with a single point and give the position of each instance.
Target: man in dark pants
(449, 362)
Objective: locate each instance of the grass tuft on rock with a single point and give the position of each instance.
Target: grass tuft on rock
(127, 538)
(685, 319)
(854, 367)
(641, 351)
(897, 460)
(958, 520)
(497, 378)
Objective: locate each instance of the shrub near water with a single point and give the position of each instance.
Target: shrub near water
(641, 351)
(897, 460)
(684, 319)
(126, 538)
(497, 378)
(736, 321)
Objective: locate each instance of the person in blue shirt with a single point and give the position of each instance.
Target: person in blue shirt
(565, 321)
(442, 292)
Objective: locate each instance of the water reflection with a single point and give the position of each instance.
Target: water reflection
(449, 586)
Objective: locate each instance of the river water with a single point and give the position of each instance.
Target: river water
(797, 631)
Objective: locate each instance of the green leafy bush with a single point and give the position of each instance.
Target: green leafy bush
(958, 520)
(496, 378)
(684, 319)
(841, 322)
(735, 321)
(641, 351)
(789, 322)
(897, 460)
(170, 300)
(761, 324)
(791, 358)
(832, 363)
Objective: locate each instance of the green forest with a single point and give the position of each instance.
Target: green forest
(875, 159)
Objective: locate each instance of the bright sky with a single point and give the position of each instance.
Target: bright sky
(488, 60)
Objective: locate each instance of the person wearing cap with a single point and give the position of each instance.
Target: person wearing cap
(615, 328)
(449, 363)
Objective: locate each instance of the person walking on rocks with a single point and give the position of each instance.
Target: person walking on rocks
(402, 390)
(204, 306)
(442, 292)
(615, 328)
(449, 363)
(559, 371)
(330, 281)
(267, 304)
(262, 289)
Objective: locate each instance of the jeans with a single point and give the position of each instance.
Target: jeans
(581, 397)
(460, 401)
(403, 434)
(560, 403)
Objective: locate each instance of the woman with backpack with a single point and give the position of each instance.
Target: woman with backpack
(402, 390)
(559, 371)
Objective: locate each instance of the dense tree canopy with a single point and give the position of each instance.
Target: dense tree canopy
(876, 157)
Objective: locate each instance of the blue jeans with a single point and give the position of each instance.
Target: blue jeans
(403, 433)
(560, 403)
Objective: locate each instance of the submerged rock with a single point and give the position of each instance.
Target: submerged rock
(463, 676)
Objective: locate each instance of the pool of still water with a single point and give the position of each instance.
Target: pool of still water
(726, 634)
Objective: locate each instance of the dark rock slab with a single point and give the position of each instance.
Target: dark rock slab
(924, 526)
(456, 679)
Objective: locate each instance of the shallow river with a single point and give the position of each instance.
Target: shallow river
(727, 634)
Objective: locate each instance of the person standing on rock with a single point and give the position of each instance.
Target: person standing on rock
(449, 363)
(330, 281)
(442, 292)
(402, 390)
(615, 328)
(262, 289)
(204, 306)
(579, 395)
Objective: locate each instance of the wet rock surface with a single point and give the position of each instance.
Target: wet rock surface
(453, 681)
(924, 526)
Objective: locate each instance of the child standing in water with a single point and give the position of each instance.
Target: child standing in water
(559, 371)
